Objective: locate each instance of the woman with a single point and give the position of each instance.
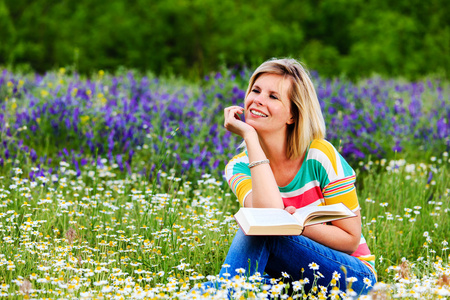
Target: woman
(287, 164)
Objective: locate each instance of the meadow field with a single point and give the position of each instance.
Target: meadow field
(112, 185)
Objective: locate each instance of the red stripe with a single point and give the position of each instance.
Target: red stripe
(339, 188)
(308, 197)
(343, 179)
(362, 250)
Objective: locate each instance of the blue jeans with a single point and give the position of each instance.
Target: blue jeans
(293, 254)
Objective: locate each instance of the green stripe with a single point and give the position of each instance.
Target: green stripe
(306, 175)
(327, 195)
(342, 184)
(348, 171)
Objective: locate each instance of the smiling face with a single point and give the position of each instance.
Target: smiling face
(267, 106)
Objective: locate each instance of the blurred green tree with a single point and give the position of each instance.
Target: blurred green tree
(193, 37)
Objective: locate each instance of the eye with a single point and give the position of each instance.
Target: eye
(255, 91)
(274, 97)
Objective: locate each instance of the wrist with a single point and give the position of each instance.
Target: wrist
(251, 136)
(258, 162)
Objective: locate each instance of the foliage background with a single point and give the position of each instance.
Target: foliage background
(356, 38)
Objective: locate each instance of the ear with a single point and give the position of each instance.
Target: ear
(290, 121)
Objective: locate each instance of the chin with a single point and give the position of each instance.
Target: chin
(252, 123)
(258, 127)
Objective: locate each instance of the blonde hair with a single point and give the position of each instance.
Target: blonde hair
(305, 107)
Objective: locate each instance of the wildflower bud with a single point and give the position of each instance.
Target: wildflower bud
(71, 234)
(25, 287)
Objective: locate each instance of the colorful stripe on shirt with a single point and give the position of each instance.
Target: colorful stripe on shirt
(308, 194)
(339, 187)
(363, 254)
(238, 176)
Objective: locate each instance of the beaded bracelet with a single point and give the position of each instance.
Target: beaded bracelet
(258, 162)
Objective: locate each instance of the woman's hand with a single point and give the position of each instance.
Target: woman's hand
(290, 209)
(233, 122)
(265, 192)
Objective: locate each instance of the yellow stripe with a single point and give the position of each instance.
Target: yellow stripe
(341, 182)
(234, 181)
(350, 199)
(240, 155)
(367, 257)
(243, 188)
(371, 268)
(328, 150)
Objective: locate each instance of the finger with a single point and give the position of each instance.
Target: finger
(231, 116)
(290, 209)
(233, 113)
(233, 108)
(238, 112)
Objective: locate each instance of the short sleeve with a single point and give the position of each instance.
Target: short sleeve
(238, 176)
(336, 177)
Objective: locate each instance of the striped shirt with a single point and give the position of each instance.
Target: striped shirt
(324, 178)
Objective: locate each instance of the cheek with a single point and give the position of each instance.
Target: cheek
(246, 102)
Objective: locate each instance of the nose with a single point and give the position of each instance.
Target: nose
(259, 99)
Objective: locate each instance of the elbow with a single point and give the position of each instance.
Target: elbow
(353, 245)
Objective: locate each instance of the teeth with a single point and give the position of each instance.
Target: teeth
(258, 113)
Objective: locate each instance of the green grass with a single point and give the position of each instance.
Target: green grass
(109, 235)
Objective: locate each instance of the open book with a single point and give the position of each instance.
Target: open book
(276, 221)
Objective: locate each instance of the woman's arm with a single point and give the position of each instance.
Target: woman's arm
(343, 235)
(265, 191)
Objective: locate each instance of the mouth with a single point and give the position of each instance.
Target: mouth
(258, 113)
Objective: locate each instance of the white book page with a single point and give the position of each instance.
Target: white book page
(335, 210)
(269, 217)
